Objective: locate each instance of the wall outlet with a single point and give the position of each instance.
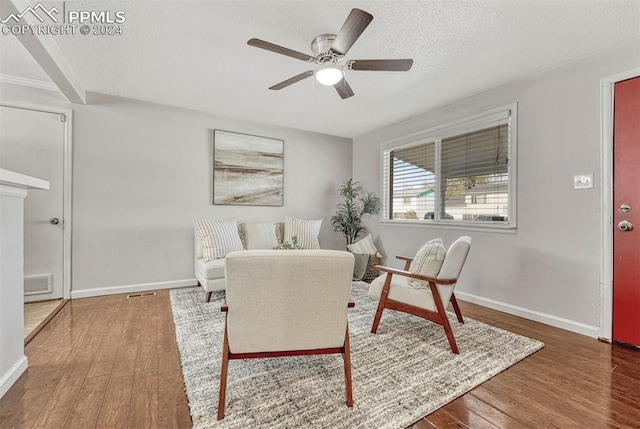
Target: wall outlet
(583, 181)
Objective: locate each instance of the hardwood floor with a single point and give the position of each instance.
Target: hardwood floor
(105, 362)
(38, 314)
(112, 362)
(573, 382)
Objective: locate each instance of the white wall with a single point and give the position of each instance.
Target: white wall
(142, 172)
(549, 270)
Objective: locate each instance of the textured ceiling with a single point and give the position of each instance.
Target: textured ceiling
(16, 61)
(193, 54)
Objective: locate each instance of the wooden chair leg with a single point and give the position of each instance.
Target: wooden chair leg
(444, 321)
(208, 297)
(456, 308)
(449, 332)
(223, 374)
(346, 356)
(381, 303)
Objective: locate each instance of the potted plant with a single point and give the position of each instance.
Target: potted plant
(294, 245)
(348, 219)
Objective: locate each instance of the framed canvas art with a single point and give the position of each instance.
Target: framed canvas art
(247, 170)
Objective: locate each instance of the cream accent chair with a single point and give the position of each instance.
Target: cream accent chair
(286, 303)
(396, 294)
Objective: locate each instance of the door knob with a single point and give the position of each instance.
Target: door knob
(625, 225)
(54, 221)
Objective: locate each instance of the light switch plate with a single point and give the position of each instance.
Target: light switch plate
(583, 181)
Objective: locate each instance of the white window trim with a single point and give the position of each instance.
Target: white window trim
(467, 124)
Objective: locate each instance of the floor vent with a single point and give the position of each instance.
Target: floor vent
(140, 295)
(35, 285)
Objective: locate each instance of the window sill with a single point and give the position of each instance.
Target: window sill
(489, 228)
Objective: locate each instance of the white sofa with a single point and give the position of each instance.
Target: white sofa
(211, 274)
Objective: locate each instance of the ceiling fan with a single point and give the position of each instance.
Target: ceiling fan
(329, 51)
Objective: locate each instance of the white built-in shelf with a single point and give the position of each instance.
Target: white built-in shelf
(17, 180)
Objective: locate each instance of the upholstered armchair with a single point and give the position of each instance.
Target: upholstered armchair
(286, 303)
(425, 286)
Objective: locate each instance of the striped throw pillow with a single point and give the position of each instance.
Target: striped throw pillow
(218, 238)
(307, 232)
(427, 262)
(364, 245)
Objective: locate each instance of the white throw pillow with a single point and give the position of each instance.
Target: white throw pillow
(307, 232)
(218, 238)
(364, 245)
(260, 236)
(360, 265)
(427, 262)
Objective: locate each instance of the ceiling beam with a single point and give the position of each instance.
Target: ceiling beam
(46, 52)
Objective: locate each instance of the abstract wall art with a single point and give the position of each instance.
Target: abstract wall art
(247, 169)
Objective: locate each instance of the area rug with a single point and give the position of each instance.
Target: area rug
(400, 374)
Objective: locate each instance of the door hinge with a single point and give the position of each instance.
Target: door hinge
(63, 117)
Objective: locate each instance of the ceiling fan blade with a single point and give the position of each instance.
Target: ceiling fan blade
(279, 49)
(292, 80)
(352, 28)
(343, 89)
(380, 65)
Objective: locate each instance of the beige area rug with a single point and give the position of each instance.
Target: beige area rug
(400, 375)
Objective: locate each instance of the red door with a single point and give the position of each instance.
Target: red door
(626, 217)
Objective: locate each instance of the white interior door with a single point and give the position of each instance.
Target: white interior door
(32, 143)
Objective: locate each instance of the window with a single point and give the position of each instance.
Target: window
(475, 199)
(463, 174)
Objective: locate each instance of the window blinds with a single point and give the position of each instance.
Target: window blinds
(413, 171)
(475, 169)
(460, 177)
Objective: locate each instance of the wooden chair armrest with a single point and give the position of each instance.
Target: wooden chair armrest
(415, 276)
(407, 261)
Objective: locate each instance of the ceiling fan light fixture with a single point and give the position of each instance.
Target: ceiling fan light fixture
(329, 52)
(329, 75)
